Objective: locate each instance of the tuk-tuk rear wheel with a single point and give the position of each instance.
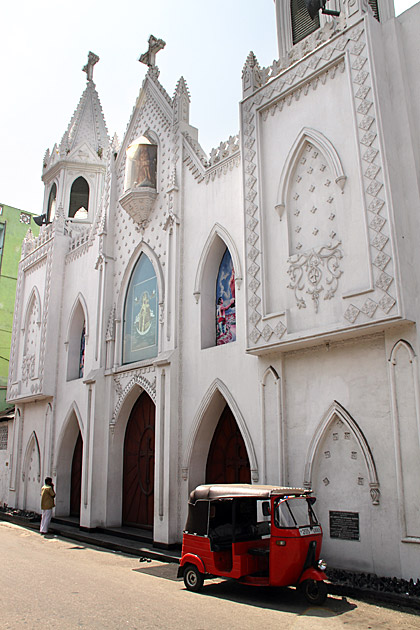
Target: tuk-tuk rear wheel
(193, 578)
(314, 591)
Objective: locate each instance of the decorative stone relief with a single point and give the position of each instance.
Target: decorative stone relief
(308, 271)
(143, 377)
(282, 85)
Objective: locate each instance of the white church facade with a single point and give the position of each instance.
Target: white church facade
(248, 316)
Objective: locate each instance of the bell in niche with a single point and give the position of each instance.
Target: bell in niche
(141, 164)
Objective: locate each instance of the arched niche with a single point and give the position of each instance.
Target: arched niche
(272, 438)
(303, 252)
(202, 431)
(79, 199)
(324, 146)
(206, 277)
(406, 422)
(31, 336)
(342, 473)
(72, 426)
(337, 412)
(31, 474)
(76, 338)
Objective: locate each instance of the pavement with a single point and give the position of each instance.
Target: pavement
(120, 539)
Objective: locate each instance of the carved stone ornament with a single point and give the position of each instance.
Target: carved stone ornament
(310, 269)
(28, 368)
(138, 203)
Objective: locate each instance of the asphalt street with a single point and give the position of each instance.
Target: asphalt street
(53, 583)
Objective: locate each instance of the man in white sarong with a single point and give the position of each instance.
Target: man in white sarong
(47, 504)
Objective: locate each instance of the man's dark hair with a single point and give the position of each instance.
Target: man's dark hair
(48, 481)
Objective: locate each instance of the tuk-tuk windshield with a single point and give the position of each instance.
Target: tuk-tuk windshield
(294, 512)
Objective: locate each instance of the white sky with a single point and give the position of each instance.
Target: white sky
(45, 45)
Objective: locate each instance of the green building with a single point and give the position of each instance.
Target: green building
(14, 225)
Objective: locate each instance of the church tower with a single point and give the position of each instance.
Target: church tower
(74, 171)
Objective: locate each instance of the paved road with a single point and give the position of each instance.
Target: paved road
(52, 583)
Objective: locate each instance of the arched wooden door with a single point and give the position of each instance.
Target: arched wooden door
(76, 477)
(227, 461)
(139, 465)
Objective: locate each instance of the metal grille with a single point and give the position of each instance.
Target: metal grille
(375, 9)
(302, 23)
(3, 437)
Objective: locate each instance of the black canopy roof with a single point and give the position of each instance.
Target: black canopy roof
(235, 490)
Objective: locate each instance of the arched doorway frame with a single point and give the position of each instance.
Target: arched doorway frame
(118, 426)
(204, 424)
(66, 442)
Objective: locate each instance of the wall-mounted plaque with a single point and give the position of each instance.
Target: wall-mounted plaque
(344, 525)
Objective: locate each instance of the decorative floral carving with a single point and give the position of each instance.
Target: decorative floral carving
(28, 367)
(351, 313)
(310, 269)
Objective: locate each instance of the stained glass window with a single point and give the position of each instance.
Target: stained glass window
(225, 302)
(82, 352)
(140, 333)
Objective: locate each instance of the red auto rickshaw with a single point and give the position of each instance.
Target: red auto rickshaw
(259, 535)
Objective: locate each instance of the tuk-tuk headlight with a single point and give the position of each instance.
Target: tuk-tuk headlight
(322, 565)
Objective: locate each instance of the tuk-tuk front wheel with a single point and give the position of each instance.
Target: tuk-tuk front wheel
(314, 591)
(193, 578)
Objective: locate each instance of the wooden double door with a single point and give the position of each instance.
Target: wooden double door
(227, 460)
(76, 477)
(139, 465)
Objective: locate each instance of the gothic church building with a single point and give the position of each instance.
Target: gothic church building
(247, 316)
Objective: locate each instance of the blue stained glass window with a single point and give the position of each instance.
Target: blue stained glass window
(225, 302)
(140, 332)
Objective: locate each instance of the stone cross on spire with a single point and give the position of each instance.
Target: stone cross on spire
(149, 57)
(88, 68)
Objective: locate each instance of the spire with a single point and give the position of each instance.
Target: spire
(181, 102)
(182, 88)
(87, 125)
(251, 75)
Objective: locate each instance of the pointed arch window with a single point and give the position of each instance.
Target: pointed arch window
(225, 302)
(79, 199)
(76, 341)
(51, 203)
(82, 351)
(140, 331)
